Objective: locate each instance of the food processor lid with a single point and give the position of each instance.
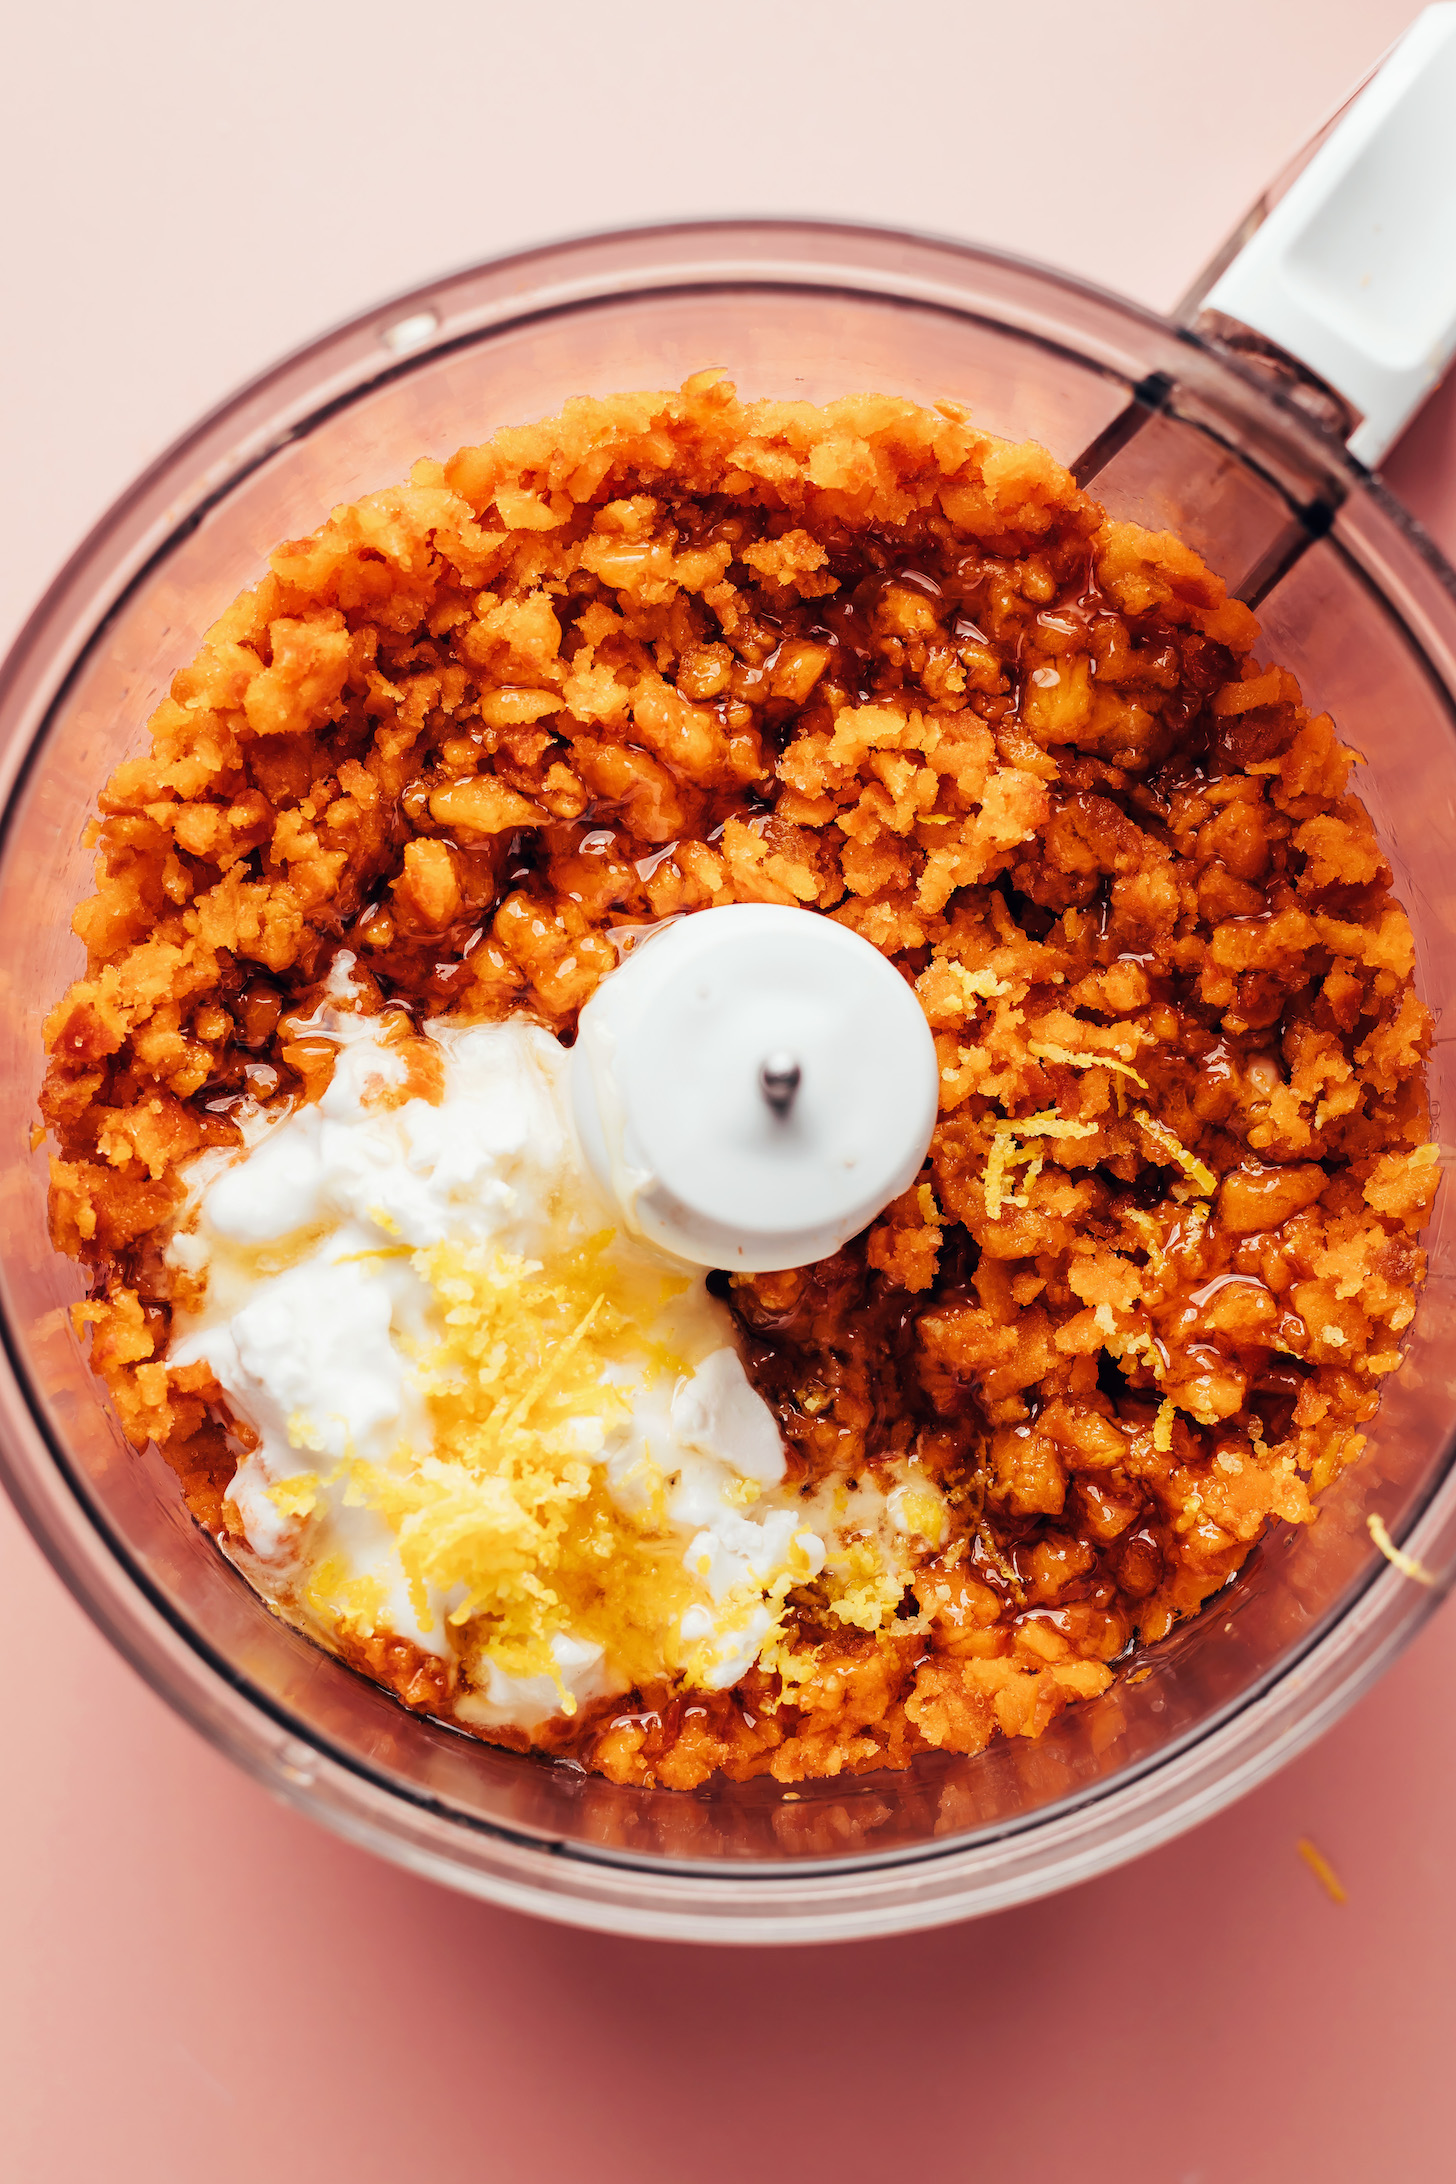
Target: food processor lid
(1353, 271)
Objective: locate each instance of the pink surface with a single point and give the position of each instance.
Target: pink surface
(195, 1983)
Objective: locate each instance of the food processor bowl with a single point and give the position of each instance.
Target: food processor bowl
(1165, 430)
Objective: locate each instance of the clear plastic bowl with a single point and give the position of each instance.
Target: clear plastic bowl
(1355, 600)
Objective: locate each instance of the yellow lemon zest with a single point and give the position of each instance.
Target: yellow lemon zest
(508, 1515)
(982, 985)
(1406, 1564)
(1047, 1053)
(295, 1497)
(1007, 1153)
(861, 1587)
(1201, 1177)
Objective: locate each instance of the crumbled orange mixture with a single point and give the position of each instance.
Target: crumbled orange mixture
(667, 651)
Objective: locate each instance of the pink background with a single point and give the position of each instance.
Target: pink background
(195, 1983)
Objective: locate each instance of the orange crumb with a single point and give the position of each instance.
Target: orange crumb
(1319, 1865)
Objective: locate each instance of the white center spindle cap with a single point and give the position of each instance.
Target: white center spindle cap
(753, 1086)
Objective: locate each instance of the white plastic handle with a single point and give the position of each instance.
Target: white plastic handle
(1354, 270)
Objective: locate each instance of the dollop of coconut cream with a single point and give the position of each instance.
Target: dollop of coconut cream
(382, 1280)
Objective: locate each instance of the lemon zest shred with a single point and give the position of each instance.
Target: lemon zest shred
(296, 1496)
(982, 985)
(340, 1599)
(1201, 1177)
(861, 1586)
(775, 1654)
(1152, 1240)
(1007, 1153)
(1406, 1564)
(1044, 1052)
(1128, 1342)
(303, 1432)
(551, 1369)
(793, 1665)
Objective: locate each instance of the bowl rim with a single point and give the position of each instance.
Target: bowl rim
(48, 652)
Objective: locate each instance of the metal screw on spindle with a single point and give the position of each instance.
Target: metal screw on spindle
(778, 1080)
